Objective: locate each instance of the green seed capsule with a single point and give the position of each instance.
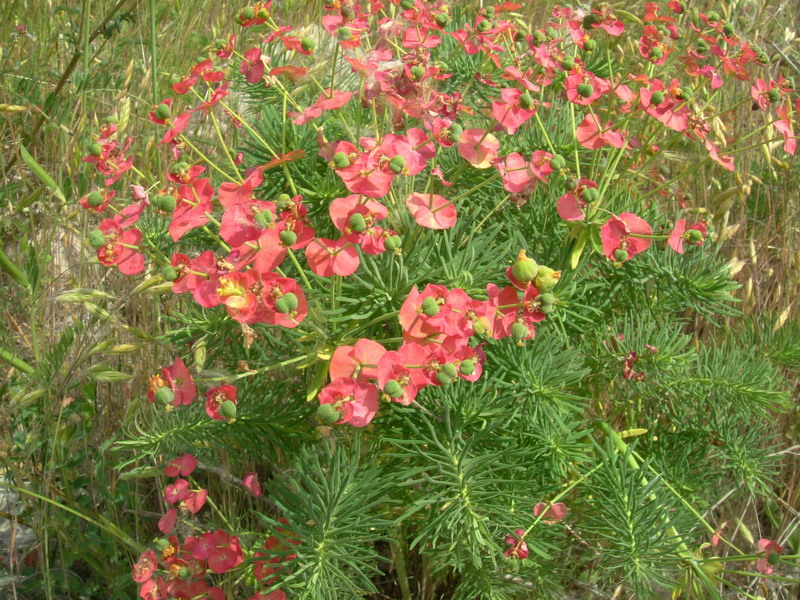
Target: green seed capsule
(430, 307)
(712, 16)
(590, 45)
(248, 13)
(308, 44)
(95, 149)
(551, 33)
(357, 222)
(467, 367)
(455, 131)
(484, 26)
(291, 301)
(407, 4)
(524, 269)
(701, 47)
(539, 37)
(621, 255)
(558, 162)
(97, 239)
(568, 63)
(94, 198)
(164, 395)
(287, 237)
(444, 378)
(347, 11)
(442, 19)
(397, 164)
(417, 72)
(343, 33)
(166, 202)
(585, 90)
(228, 409)
(450, 369)
(546, 309)
(774, 95)
(184, 573)
(590, 195)
(264, 218)
(547, 298)
(282, 306)
(656, 53)
(170, 273)
(340, 160)
(326, 413)
(393, 389)
(694, 235)
(393, 243)
(657, 98)
(546, 279)
(162, 111)
(728, 30)
(519, 331)
(526, 101)
(262, 13)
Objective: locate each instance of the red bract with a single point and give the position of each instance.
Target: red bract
(591, 135)
(478, 147)
(518, 547)
(681, 234)
(183, 465)
(510, 111)
(252, 67)
(432, 211)
(619, 239)
(570, 205)
(276, 288)
(250, 481)
(92, 203)
(120, 247)
(194, 206)
(359, 361)
(215, 397)
(332, 257)
(550, 513)
(514, 171)
(356, 402)
(176, 127)
(768, 547)
(145, 566)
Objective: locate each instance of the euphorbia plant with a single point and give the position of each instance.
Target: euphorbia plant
(425, 224)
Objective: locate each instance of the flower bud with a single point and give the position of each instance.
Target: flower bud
(519, 331)
(590, 195)
(525, 269)
(228, 409)
(170, 273)
(657, 98)
(357, 223)
(620, 255)
(656, 53)
(394, 242)
(97, 239)
(557, 162)
(164, 395)
(94, 198)
(526, 101)
(393, 389)
(774, 95)
(327, 413)
(287, 237)
(162, 111)
(95, 149)
(308, 44)
(547, 298)
(568, 63)
(264, 218)
(774, 559)
(417, 72)
(467, 367)
(397, 164)
(590, 45)
(546, 278)
(340, 160)
(430, 307)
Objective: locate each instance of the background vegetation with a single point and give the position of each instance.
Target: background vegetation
(70, 403)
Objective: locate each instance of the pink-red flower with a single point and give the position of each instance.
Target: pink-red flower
(356, 401)
(517, 546)
(432, 210)
(478, 147)
(766, 564)
(621, 239)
